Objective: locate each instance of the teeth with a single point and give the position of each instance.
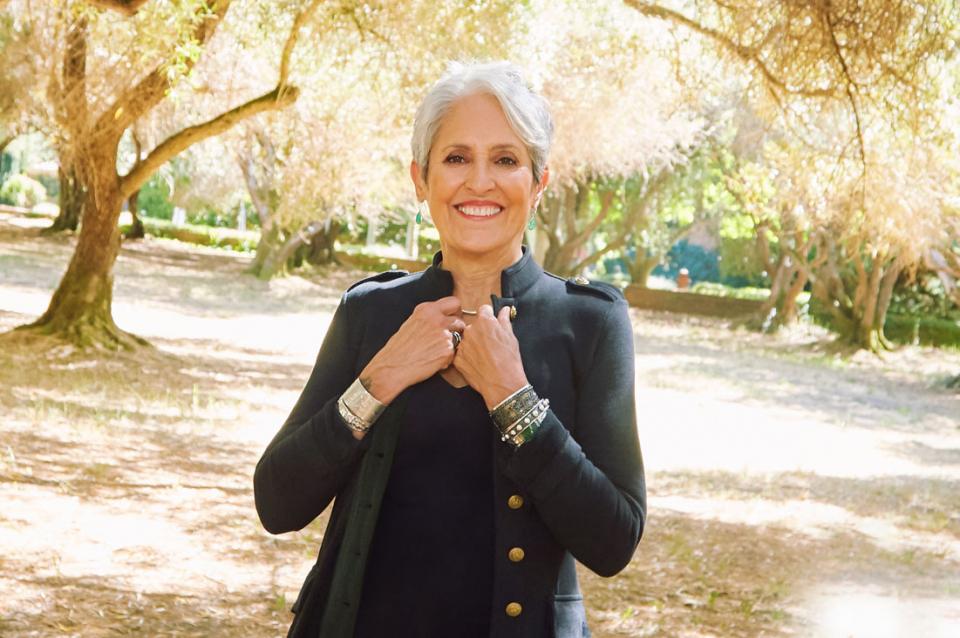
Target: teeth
(479, 211)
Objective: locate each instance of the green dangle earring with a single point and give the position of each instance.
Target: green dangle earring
(419, 212)
(532, 224)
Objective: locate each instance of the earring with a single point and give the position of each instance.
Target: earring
(532, 224)
(419, 212)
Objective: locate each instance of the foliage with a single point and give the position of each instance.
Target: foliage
(701, 264)
(242, 241)
(23, 191)
(154, 199)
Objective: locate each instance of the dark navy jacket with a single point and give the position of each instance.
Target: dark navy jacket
(575, 491)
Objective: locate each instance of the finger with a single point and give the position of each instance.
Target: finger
(448, 305)
(457, 325)
(486, 310)
(504, 318)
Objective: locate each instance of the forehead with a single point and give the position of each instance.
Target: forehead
(477, 121)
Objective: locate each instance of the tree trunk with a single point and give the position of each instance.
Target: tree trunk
(81, 308)
(641, 268)
(136, 230)
(269, 243)
(276, 262)
(72, 196)
(323, 245)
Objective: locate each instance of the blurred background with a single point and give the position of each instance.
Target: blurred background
(187, 187)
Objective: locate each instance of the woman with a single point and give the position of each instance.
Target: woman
(475, 422)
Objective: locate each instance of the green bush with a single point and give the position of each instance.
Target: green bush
(245, 241)
(22, 191)
(926, 331)
(154, 199)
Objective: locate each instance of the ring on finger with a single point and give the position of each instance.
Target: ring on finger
(457, 338)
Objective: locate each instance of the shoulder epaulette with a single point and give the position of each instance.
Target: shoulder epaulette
(598, 288)
(388, 275)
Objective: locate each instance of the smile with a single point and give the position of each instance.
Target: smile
(479, 211)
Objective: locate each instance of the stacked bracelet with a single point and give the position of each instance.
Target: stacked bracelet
(358, 408)
(520, 415)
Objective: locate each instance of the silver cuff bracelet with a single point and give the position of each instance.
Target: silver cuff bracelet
(359, 404)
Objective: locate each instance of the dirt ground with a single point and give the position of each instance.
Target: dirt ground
(794, 490)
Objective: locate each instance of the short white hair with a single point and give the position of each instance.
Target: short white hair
(526, 111)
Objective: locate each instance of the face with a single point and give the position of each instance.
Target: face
(479, 182)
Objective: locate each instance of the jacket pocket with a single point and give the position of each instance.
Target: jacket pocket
(569, 617)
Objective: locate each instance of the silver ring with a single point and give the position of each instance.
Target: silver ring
(456, 340)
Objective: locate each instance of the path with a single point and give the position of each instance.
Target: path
(791, 493)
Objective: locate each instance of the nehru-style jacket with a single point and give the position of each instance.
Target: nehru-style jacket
(574, 491)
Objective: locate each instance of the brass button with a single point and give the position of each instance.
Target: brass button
(581, 280)
(513, 313)
(515, 554)
(515, 502)
(514, 609)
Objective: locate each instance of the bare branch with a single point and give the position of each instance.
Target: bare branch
(750, 55)
(292, 38)
(126, 7)
(143, 96)
(276, 99)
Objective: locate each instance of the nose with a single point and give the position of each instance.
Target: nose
(479, 178)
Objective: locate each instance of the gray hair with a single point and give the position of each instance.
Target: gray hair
(526, 111)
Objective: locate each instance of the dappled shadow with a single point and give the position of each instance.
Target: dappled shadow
(865, 398)
(92, 606)
(917, 503)
(739, 580)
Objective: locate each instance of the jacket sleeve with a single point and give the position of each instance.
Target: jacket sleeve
(311, 457)
(590, 492)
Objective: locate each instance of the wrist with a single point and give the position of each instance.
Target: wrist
(377, 380)
(497, 394)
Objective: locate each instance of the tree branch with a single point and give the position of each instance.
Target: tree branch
(126, 7)
(144, 95)
(750, 55)
(173, 145)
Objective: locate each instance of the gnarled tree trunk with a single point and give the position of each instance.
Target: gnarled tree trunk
(71, 199)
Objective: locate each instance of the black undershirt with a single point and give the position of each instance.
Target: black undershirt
(430, 567)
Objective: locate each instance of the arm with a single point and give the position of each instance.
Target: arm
(590, 492)
(313, 454)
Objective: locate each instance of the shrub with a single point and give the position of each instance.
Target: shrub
(22, 191)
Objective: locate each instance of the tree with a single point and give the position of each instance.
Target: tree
(621, 122)
(156, 61)
(849, 74)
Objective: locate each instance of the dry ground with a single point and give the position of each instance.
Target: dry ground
(793, 491)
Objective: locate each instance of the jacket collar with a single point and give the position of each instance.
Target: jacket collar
(514, 280)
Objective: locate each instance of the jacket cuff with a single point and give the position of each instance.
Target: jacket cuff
(539, 465)
(333, 439)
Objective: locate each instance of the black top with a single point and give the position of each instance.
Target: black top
(424, 578)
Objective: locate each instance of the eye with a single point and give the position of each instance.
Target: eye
(507, 161)
(454, 158)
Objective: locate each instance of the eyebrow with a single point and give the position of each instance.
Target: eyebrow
(496, 147)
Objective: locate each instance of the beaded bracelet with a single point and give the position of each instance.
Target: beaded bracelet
(521, 431)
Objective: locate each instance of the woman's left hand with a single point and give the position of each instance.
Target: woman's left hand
(489, 356)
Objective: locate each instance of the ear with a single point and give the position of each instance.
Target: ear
(418, 182)
(542, 186)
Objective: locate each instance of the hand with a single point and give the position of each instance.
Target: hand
(489, 356)
(419, 349)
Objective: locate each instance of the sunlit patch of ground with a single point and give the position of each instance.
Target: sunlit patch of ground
(792, 492)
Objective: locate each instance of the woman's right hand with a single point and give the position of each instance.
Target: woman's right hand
(419, 349)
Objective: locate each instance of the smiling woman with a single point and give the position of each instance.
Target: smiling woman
(475, 422)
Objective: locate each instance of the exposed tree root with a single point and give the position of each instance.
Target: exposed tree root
(87, 333)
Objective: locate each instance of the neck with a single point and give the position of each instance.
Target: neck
(476, 277)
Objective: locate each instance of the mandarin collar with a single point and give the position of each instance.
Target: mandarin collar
(514, 280)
